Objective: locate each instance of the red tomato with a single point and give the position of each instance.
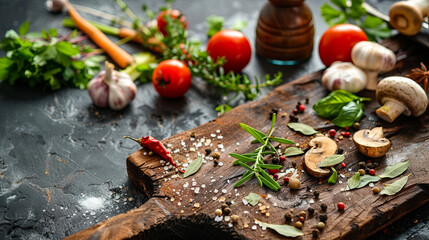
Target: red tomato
(174, 14)
(337, 42)
(171, 78)
(232, 45)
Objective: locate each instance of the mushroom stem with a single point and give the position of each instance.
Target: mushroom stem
(390, 110)
(372, 77)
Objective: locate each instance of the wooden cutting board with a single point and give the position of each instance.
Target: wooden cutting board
(184, 208)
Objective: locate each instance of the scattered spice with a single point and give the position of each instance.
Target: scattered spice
(316, 194)
(301, 108)
(356, 125)
(332, 132)
(282, 158)
(372, 172)
(323, 217)
(216, 155)
(294, 164)
(369, 165)
(298, 224)
(375, 165)
(323, 206)
(293, 118)
(320, 225)
(154, 145)
(218, 212)
(420, 75)
(294, 183)
(302, 214)
(361, 172)
(286, 179)
(315, 233)
(376, 190)
(310, 211)
(234, 218)
(224, 206)
(301, 219)
(227, 211)
(288, 217)
(362, 165)
(208, 151)
(341, 206)
(343, 165)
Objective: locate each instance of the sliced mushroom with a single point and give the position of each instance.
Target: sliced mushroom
(371, 143)
(322, 147)
(407, 16)
(400, 95)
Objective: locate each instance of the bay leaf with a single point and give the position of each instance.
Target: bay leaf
(331, 160)
(391, 189)
(285, 230)
(354, 181)
(302, 128)
(252, 198)
(395, 170)
(292, 151)
(365, 179)
(193, 167)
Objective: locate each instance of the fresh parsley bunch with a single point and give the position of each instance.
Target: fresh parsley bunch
(46, 60)
(342, 12)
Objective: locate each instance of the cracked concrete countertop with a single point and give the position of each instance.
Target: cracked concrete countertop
(62, 160)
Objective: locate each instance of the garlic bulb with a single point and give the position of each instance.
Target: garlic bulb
(344, 76)
(55, 6)
(112, 88)
(372, 58)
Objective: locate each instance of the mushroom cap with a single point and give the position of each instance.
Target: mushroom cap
(344, 76)
(406, 17)
(373, 56)
(371, 143)
(322, 147)
(405, 91)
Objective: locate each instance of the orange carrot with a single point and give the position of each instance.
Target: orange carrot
(126, 32)
(118, 55)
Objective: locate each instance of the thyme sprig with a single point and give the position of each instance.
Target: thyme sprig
(176, 45)
(257, 157)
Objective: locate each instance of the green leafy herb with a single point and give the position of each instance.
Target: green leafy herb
(342, 12)
(354, 181)
(395, 170)
(48, 61)
(302, 128)
(333, 178)
(256, 158)
(392, 189)
(285, 230)
(223, 108)
(346, 107)
(252, 198)
(365, 179)
(239, 25)
(292, 151)
(214, 24)
(193, 167)
(331, 160)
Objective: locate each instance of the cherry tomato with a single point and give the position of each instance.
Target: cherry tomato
(171, 78)
(174, 14)
(337, 42)
(234, 46)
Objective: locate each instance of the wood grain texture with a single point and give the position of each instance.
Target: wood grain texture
(171, 210)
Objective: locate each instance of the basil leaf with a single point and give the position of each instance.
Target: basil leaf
(285, 230)
(349, 114)
(214, 24)
(302, 128)
(333, 178)
(365, 179)
(331, 105)
(292, 151)
(391, 189)
(354, 181)
(252, 198)
(193, 167)
(331, 160)
(395, 170)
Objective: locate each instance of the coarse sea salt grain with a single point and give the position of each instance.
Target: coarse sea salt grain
(216, 191)
(197, 190)
(224, 190)
(245, 202)
(218, 218)
(254, 227)
(230, 225)
(371, 184)
(227, 218)
(220, 164)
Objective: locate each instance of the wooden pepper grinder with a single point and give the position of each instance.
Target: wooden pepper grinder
(407, 16)
(285, 31)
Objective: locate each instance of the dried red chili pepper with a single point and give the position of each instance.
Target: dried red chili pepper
(155, 146)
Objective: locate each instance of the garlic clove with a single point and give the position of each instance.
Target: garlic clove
(98, 91)
(344, 76)
(117, 97)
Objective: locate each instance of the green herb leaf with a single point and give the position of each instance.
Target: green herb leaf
(284, 230)
(245, 166)
(302, 128)
(331, 160)
(392, 189)
(223, 108)
(252, 198)
(239, 25)
(269, 181)
(193, 167)
(354, 181)
(244, 179)
(252, 132)
(241, 158)
(333, 178)
(214, 24)
(365, 179)
(331, 105)
(23, 29)
(270, 166)
(281, 140)
(395, 170)
(292, 151)
(349, 114)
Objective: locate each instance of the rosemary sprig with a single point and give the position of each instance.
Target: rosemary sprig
(176, 45)
(257, 157)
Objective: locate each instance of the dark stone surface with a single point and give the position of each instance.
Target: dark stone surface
(62, 161)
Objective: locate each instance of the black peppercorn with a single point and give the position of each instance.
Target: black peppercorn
(323, 206)
(307, 100)
(193, 135)
(227, 211)
(375, 165)
(316, 194)
(362, 165)
(340, 151)
(293, 118)
(216, 162)
(323, 217)
(293, 164)
(208, 151)
(310, 211)
(369, 165)
(228, 203)
(288, 217)
(315, 233)
(224, 206)
(308, 188)
(275, 160)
